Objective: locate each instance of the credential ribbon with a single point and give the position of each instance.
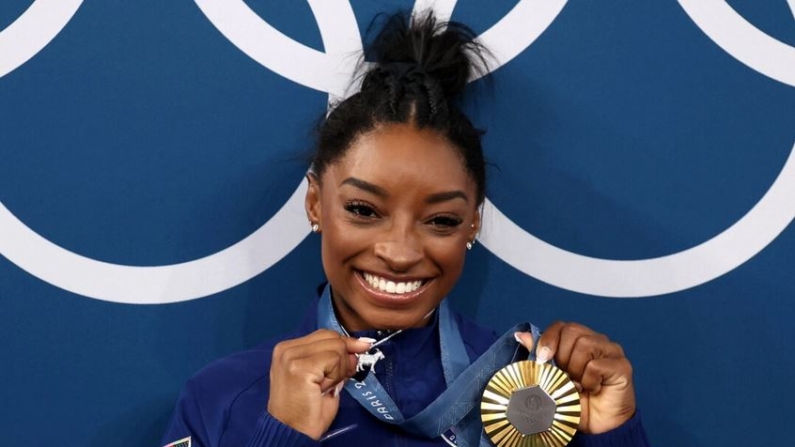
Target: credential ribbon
(454, 408)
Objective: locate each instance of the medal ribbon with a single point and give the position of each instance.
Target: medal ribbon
(465, 382)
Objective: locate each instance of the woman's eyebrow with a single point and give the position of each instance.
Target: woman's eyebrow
(381, 192)
(367, 186)
(445, 196)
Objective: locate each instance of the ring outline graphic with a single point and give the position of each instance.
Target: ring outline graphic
(696, 265)
(699, 264)
(647, 277)
(285, 229)
(742, 40)
(33, 30)
(528, 254)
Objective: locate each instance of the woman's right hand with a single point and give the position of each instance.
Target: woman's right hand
(306, 377)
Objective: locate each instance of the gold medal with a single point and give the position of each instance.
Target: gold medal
(527, 404)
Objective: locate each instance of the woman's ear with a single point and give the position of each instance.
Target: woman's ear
(474, 227)
(312, 201)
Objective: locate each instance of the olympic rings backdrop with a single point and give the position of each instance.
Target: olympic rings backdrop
(152, 154)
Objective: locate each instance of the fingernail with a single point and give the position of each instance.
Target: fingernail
(516, 337)
(367, 340)
(338, 388)
(543, 355)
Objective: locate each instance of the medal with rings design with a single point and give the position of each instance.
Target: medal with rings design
(529, 404)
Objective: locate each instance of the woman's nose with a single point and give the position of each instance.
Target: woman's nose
(400, 250)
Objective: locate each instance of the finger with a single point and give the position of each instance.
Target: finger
(335, 389)
(557, 341)
(329, 405)
(355, 345)
(294, 349)
(323, 369)
(318, 335)
(548, 342)
(297, 351)
(347, 360)
(588, 347)
(569, 335)
(525, 339)
(323, 363)
(612, 372)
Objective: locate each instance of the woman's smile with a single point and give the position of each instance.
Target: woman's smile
(393, 292)
(397, 287)
(395, 215)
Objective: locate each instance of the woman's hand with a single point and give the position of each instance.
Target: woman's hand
(306, 377)
(598, 367)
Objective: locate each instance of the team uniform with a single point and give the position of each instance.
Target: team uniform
(224, 405)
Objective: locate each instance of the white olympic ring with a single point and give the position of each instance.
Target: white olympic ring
(696, 265)
(742, 40)
(287, 228)
(33, 30)
(647, 277)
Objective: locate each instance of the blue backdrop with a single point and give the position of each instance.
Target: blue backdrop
(151, 164)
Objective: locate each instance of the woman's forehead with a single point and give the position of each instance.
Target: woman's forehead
(398, 152)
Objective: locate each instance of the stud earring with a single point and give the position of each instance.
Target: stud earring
(315, 228)
(470, 245)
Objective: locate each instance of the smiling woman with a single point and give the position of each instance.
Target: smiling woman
(396, 214)
(394, 192)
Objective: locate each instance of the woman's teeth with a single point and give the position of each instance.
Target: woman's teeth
(388, 286)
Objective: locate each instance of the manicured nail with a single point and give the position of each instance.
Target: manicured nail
(335, 391)
(525, 339)
(367, 340)
(543, 355)
(338, 389)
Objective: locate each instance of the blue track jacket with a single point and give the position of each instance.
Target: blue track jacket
(224, 405)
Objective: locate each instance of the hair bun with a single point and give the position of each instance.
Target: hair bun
(421, 67)
(420, 49)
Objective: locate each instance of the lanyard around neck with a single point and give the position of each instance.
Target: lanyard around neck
(465, 382)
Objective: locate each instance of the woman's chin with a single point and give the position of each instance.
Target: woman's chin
(387, 319)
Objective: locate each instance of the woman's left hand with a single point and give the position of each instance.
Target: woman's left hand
(598, 367)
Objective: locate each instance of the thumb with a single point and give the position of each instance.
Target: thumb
(330, 403)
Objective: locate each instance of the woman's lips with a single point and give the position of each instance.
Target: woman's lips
(390, 291)
(391, 286)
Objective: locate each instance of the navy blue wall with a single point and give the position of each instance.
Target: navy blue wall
(149, 152)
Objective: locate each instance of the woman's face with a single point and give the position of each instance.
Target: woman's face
(395, 215)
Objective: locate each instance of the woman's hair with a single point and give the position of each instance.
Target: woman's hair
(419, 73)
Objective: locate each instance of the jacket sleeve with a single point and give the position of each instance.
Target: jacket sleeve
(270, 432)
(189, 421)
(629, 434)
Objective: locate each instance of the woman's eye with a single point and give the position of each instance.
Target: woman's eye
(445, 221)
(360, 209)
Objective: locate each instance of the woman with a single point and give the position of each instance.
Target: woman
(395, 193)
